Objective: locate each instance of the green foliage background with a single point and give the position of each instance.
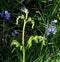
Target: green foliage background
(39, 49)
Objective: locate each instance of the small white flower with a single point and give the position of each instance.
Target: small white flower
(55, 21)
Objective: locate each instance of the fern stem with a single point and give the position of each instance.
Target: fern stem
(25, 21)
(23, 41)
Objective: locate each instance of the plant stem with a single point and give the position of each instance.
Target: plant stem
(25, 21)
(23, 41)
(3, 29)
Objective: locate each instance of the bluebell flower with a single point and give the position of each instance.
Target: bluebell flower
(23, 8)
(50, 29)
(53, 22)
(14, 32)
(5, 14)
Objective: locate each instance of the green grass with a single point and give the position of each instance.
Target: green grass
(38, 48)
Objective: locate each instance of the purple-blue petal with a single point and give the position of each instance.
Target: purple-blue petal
(2, 13)
(15, 32)
(50, 29)
(23, 8)
(7, 15)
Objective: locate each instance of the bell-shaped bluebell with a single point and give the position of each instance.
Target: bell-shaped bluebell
(53, 22)
(14, 32)
(5, 14)
(50, 29)
(23, 8)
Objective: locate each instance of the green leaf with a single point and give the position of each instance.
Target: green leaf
(17, 19)
(16, 43)
(41, 38)
(22, 16)
(29, 44)
(32, 24)
(21, 47)
(35, 39)
(29, 19)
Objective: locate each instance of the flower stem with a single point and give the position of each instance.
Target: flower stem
(23, 41)
(25, 21)
(3, 28)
